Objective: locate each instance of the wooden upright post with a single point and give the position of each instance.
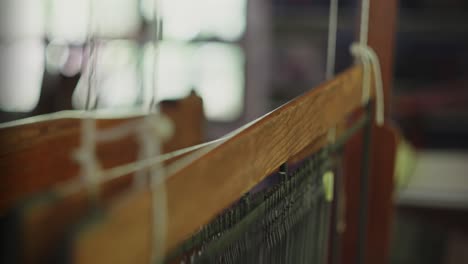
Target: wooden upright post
(382, 31)
(382, 25)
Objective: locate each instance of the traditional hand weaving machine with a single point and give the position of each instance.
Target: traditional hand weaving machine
(270, 192)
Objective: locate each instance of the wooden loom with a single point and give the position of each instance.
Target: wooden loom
(123, 234)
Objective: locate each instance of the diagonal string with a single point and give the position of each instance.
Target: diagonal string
(119, 171)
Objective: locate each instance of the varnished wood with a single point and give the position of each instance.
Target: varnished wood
(47, 220)
(211, 183)
(36, 156)
(188, 119)
(382, 33)
(381, 37)
(380, 195)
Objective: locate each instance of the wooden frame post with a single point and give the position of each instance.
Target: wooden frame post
(382, 27)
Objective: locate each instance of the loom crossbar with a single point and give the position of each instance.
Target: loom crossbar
(201, 190)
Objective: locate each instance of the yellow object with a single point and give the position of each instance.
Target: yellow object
(328, 184)
(404, 163)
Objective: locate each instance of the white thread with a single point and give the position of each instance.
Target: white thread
(147, 149)
(331, 53)
(127, 169)
(86, 157)
(92, 58)
(152, 144)
(332, 36)
(380, 105)
(77, 114)
(86, 154)
(163, 128)
(356, 51)
(157, 36)
(120, 171)
(371, 64)
(364, 27)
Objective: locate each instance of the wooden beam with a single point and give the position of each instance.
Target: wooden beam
(38, 154)
(200, 191)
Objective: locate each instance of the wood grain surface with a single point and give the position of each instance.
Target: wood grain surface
(37, 156)
(201, 190)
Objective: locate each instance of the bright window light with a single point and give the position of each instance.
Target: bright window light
(116, 18)
(219, 78)
(68, 20)
(22, 69)
(74, 61)
(185, 19)
(21, 19)
(146, 9)
(116, 82)
(119, 89)
(214, 70)
(182, 18)
(57, 53)
(173, 70)
(118, 79)
(225, 19)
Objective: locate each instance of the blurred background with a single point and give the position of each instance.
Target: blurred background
(245, 58)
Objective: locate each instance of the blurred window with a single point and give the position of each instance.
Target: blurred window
(200, 51)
